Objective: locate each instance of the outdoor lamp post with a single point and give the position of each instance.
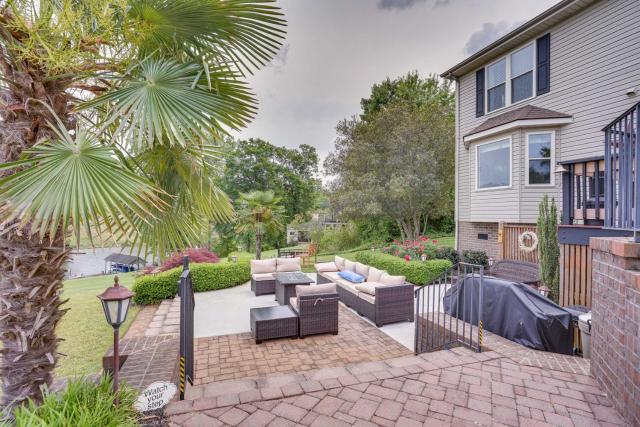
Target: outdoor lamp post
(115, 303)
(544, 291)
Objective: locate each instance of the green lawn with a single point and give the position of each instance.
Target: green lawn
(86, 334)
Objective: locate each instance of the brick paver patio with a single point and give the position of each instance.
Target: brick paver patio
(507, 385)
(237, 356)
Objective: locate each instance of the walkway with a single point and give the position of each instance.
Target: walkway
(508, 385)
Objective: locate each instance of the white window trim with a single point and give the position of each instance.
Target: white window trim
(503, 187)
(508, 77)
(553, 156)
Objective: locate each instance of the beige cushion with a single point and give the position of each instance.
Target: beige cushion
(367, 297)
(263, 266)
(288, 264)
(326, 267)
(349, 265)
(362, 270)
(293, 302)
(332, 275)
(374, 274)
(368, 287)
(347, 286)
(327, 288)
(339, 261)
(262, 276)
(387, 279)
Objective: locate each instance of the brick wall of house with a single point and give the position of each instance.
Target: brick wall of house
(468, 237)
(615, 339)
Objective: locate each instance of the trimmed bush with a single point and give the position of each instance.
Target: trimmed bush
(475, 257)
(446, 252)
(151, 289)
(416, 272)
(83, 403)
(196, 256)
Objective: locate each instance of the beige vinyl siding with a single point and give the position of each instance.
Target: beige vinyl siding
(595, 59)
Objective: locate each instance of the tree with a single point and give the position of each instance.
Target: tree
(549, 247)
(399, 163)
(110, 121)
(259, 214)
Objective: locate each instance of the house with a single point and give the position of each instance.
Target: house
(300, 232)
(550, 108)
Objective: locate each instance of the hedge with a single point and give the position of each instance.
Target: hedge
(151, 289)
(416, 272)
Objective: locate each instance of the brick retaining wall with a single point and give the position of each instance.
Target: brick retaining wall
(468, 237)
(615, 339)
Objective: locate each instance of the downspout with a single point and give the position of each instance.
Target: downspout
(456, 214)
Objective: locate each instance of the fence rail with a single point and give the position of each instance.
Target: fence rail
(447, 314)
(187, 304)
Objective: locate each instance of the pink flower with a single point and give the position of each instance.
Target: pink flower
(407, 258)
(434, 241)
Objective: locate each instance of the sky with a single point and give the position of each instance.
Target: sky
(335, 50)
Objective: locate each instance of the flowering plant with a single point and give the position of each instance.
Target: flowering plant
(412, 249)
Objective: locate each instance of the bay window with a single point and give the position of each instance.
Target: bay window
(539, 158)
(493, 160)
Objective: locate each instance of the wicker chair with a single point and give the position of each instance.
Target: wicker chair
(318, 314)
(516, 271)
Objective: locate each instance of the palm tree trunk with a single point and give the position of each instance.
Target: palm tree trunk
(31, 270)
(30, 284)
(258, 245)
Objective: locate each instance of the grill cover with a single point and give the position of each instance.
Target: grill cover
(513, 311)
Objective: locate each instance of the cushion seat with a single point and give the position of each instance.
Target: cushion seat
(347, 286)
(258, 277)
(332, 275)
(368, 287)
(369, 298)
(293, 302)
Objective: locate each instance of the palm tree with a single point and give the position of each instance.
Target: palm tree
(259, 213)
(110, 122)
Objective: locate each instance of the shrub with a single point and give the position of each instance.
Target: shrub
(446, 252)
(414, 249)
(196, 255)
(548, 246)
(205, 277)
(475, 257)
(416, 272)
(83, 403)
(340, 239)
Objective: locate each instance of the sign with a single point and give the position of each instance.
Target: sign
(156, 396)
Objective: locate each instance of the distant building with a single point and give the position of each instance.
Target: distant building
(301, 232)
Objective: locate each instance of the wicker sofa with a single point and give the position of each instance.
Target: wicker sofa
(263, 280)
(382, 298)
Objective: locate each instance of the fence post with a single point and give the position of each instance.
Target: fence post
(187, 303)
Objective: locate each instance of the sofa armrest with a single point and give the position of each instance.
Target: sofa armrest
(394, 292)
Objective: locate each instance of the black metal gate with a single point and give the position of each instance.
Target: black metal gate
(447, 315)
(187, 303)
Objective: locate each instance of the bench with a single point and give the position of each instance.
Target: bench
(516, 271)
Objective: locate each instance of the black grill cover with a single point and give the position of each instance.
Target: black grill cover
(514, 311)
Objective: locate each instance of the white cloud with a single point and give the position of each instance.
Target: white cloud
(490, 32)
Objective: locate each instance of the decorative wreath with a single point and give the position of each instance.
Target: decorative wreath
(528, 236)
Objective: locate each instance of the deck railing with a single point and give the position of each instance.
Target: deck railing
(622, 163)
(583, 192)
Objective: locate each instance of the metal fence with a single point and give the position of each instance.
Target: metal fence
(622, 163)
(449, 310)
(187, 304)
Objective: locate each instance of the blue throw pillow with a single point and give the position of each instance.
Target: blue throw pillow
(351, 276)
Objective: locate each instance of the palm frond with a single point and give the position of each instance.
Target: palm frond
(170, 102)
(245, 33)
(74, 183)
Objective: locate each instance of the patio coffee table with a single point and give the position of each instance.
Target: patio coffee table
(286, 285)
(273, 322)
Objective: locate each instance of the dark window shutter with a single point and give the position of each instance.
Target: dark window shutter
(480, 93)
(543, 66)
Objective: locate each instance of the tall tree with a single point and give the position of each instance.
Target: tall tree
(548, 246)
(258, 214)
(399, 162)
(110, 115)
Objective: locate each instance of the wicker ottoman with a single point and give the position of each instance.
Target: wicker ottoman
(273, 322)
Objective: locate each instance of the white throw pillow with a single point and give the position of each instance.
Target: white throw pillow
(349, 266)
(339, 261)
(387, 279)
(368, 287)
(288, 264)
(362, 269)
(263, 266)
(374, 274)
(326, 267)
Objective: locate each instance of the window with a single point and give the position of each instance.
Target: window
(510, 79)
(496, 87)
(493, 162)
(539, 158)
(522, 74)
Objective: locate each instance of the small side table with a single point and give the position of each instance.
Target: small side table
(273, 322)
(286, 285)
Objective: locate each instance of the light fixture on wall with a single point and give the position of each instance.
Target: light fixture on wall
(560, 168)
